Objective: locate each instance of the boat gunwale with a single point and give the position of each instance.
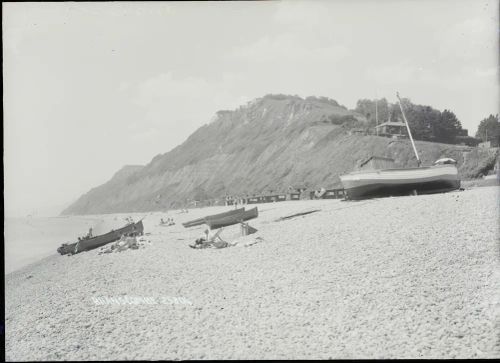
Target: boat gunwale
(377, 171)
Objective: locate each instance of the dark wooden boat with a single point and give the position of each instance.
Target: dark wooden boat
(133, 229)
(214, 217)
(193, 223)
(199, 221)
(233, 219)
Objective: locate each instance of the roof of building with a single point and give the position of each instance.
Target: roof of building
(392, 123)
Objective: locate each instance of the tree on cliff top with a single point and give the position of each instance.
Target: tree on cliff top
(489, 128)
(370, 109)
(426, 123)
(448, 127)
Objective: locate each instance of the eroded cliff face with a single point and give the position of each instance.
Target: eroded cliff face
(269, 144)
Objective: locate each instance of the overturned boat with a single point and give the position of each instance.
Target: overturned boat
(243, 216)
(132, 229)
(439, 178)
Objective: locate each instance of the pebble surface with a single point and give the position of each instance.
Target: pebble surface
(407, 277)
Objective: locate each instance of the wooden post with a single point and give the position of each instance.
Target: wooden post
(408, 128)
(246, 229)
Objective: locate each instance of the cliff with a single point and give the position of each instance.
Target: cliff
(269, 144)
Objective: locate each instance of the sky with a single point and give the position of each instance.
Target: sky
(91, 87)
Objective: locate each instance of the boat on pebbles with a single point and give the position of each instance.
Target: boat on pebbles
(200, 221)
(243, 216)
(131, 229)
(438, 178)
(397, 182)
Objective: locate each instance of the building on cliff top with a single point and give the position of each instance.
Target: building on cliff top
(392, 129)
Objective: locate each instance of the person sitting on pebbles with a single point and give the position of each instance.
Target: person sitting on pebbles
(203, 239)
(209, 240)
(206, 236)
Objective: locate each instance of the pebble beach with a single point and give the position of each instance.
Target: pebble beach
(406, 277)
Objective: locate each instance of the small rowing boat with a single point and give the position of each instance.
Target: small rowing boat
(199, 221)
(132, 229)
(215, 223)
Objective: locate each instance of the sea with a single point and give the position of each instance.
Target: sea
(29, 239)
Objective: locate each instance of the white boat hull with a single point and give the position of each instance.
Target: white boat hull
(394, 182)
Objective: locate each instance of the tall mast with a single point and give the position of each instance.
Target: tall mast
(408, 128)
(376, 115)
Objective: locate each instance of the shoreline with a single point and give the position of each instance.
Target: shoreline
(419, 280)
(107, 219)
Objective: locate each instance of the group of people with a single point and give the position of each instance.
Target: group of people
(168, 222)
(89, 235)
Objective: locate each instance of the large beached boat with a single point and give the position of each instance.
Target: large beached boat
(98, 241)
(397, 182)
(439, 178)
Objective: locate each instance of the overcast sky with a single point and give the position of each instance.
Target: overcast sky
(90, 87)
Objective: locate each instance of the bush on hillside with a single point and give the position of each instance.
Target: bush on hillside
(339, 120)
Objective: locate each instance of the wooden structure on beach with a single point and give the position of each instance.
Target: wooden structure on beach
(329, 194)
(253, 200)
(266, 199)
(334, 194)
